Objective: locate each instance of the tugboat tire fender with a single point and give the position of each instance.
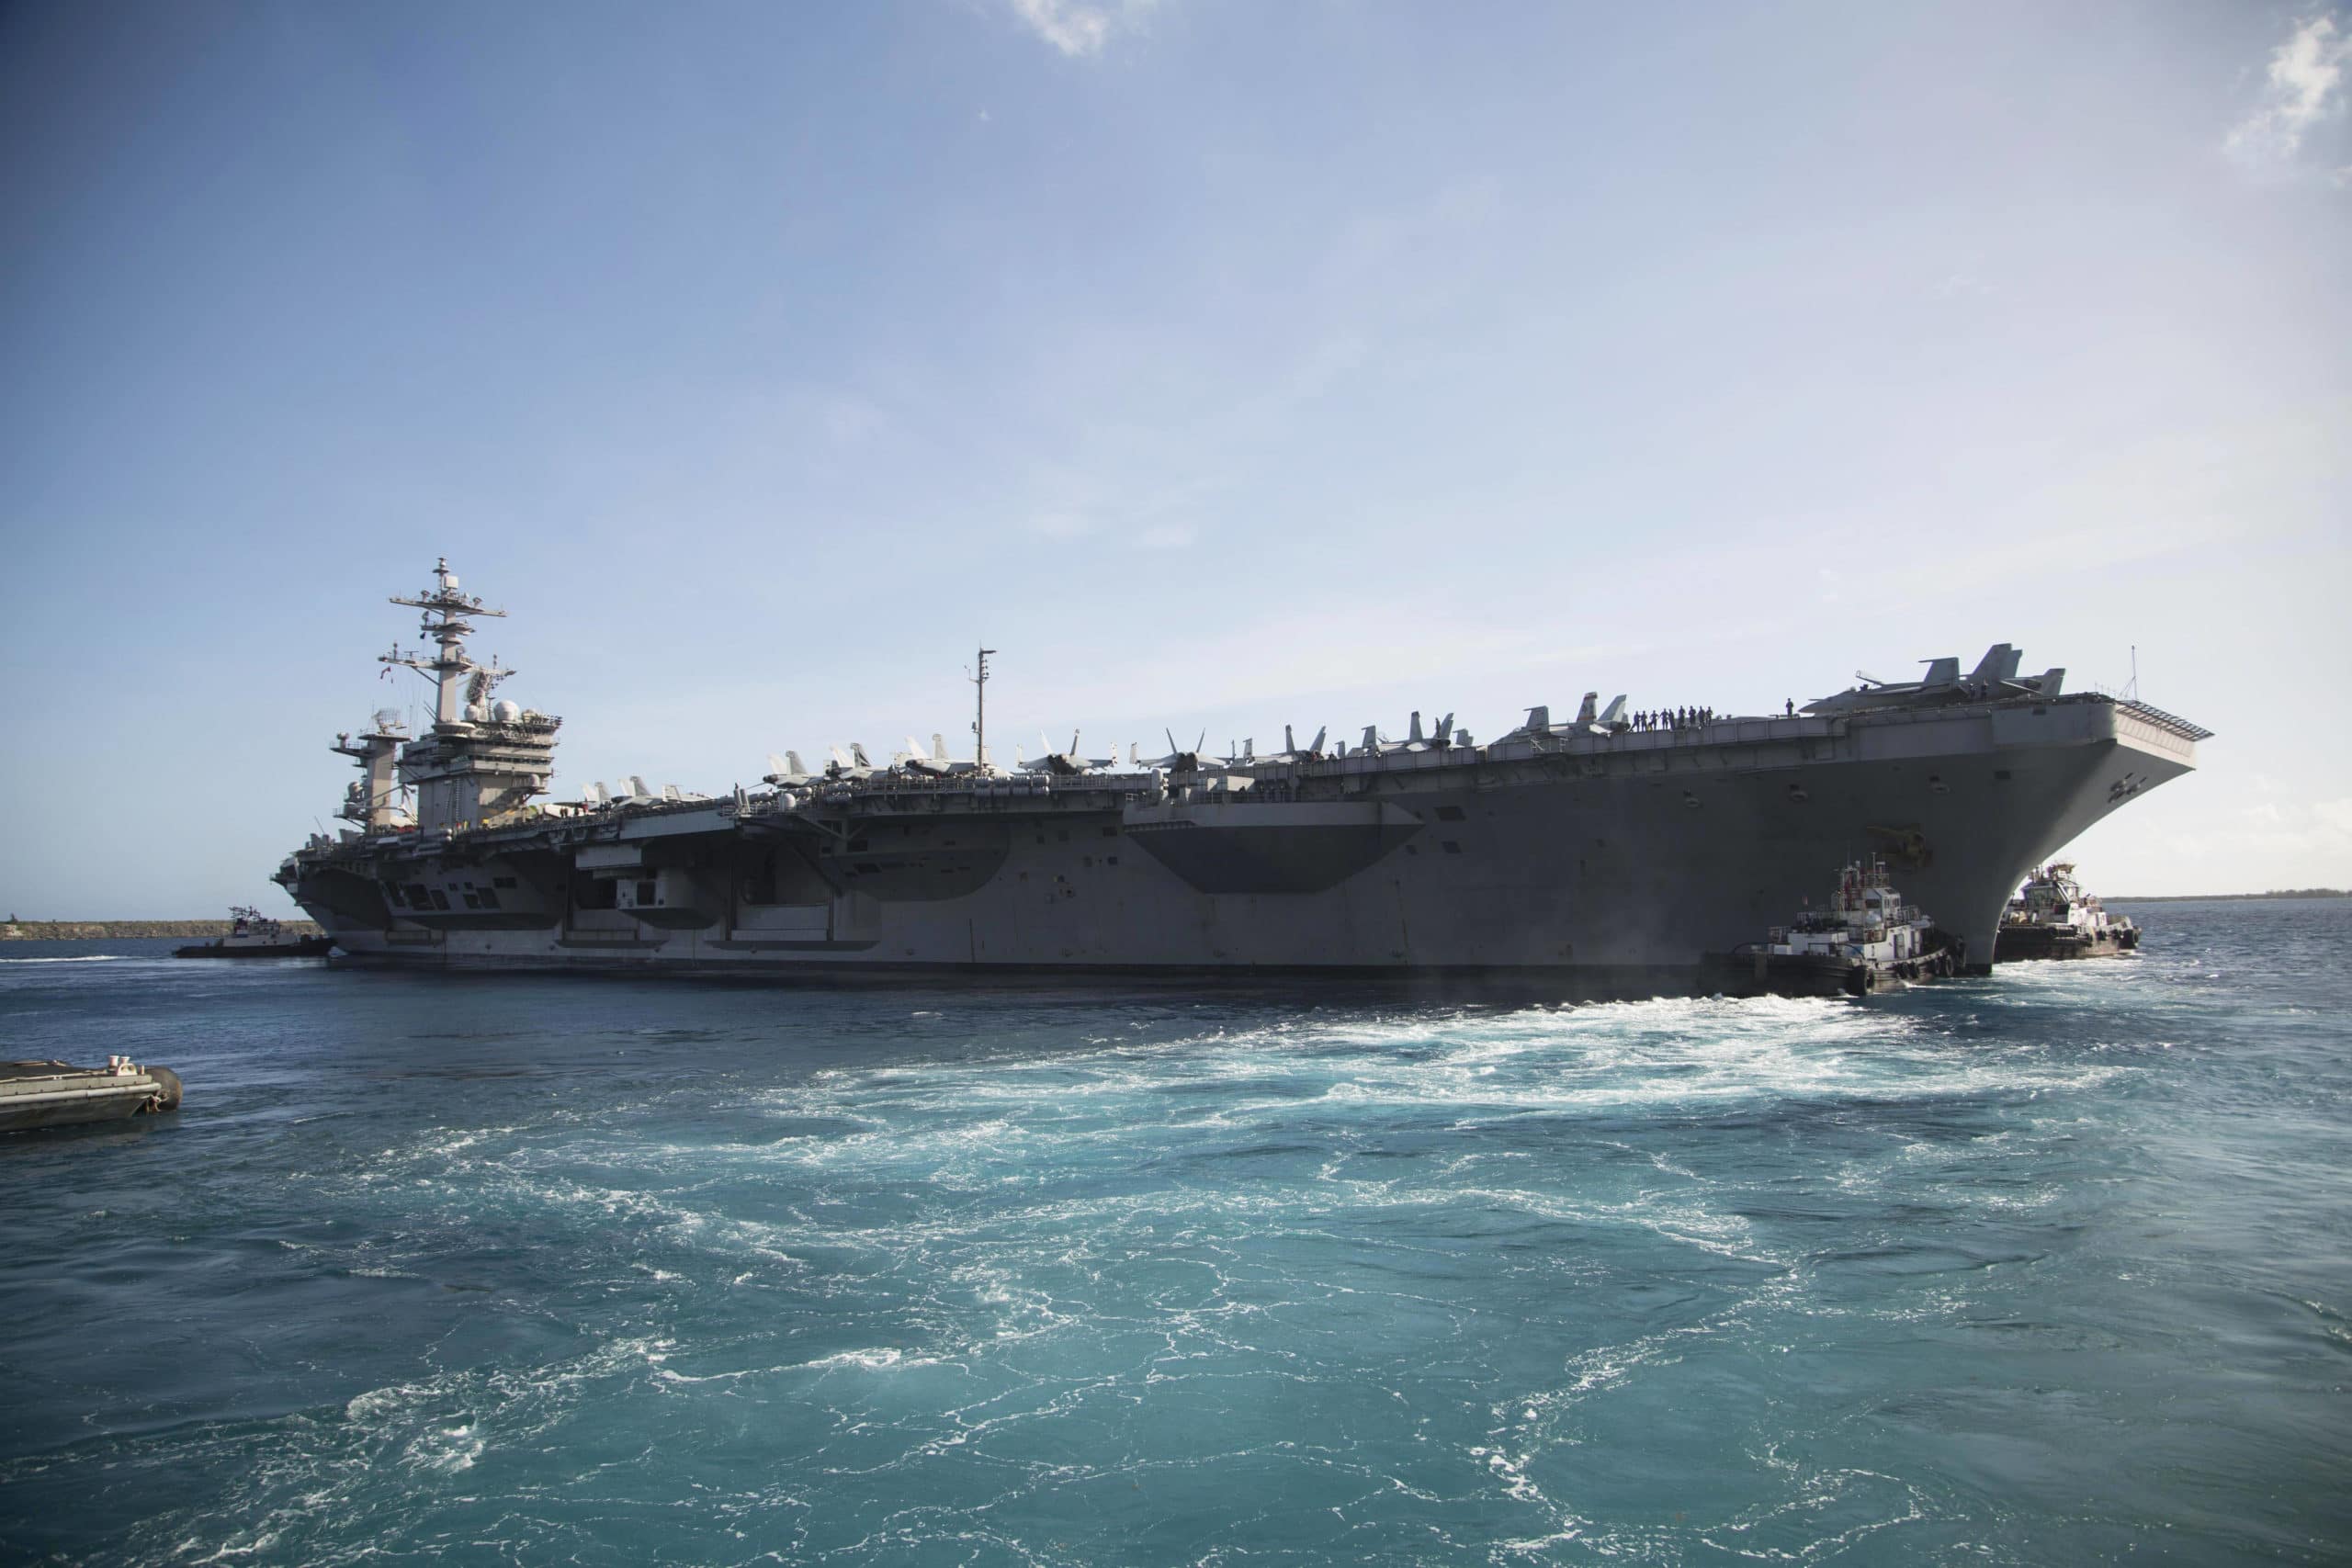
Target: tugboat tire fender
(168, 1089)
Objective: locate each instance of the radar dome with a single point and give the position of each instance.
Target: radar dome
(506, 710)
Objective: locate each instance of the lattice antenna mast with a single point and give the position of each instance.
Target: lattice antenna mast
(979, 679)
(448, 621)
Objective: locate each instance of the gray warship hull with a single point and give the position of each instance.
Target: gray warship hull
(1602, 861)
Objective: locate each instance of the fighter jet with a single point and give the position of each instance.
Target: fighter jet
(1291, 752)
(932, 765)
(1996, 676)
(1179, 759)
(1414, 739)
(1604, 723)
(857, 765)
(786, 770)
(1063, 765)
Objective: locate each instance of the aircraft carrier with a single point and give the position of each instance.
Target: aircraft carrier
(1604, 856)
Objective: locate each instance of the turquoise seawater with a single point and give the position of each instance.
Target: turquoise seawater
(2053, 1268)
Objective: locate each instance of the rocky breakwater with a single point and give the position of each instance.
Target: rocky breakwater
(125, 930)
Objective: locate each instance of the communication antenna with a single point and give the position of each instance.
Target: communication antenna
(979, 679)
(449, 621)
(2135, 672)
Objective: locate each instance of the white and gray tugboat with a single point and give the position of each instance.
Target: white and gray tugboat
(1864, 939)
(1598, 856)
(253, 934)
(2051, 916)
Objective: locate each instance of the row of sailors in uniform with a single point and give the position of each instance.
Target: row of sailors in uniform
(1672, 718)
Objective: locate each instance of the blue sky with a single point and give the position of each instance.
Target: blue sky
(1221, 364)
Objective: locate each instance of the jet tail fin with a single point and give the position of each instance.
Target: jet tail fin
(1999, 663)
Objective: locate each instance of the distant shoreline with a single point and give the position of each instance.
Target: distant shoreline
(2216, 898)
(124, 930)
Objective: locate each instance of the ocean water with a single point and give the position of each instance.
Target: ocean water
(2054, 1268)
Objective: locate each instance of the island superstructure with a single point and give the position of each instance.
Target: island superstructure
(1609, 857)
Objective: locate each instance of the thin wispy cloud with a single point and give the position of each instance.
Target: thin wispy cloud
(2304, 86)
(848, 420)
(1076, 28)
(1165, 537)
(1061, 524)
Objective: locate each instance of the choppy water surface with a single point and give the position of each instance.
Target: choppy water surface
(2048, 1269)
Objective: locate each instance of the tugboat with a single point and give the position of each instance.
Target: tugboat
(2051, 916)
(1866, 940)
(51, 1094)
(253, 934)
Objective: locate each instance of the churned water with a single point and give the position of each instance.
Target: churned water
(2050, 1268)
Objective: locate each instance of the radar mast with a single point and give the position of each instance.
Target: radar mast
(981, 716)
(447, 620)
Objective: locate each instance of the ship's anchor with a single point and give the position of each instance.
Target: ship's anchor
(1907, 847)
